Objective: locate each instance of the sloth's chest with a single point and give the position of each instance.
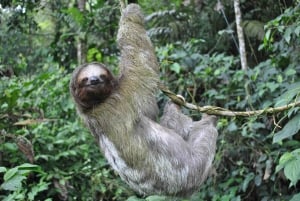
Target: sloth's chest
(133, 177)
(160, 177)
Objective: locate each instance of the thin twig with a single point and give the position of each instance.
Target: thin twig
(222, 111)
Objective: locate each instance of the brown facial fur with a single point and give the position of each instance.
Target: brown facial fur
(92, 84)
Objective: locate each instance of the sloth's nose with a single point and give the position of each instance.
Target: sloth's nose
(94, 80)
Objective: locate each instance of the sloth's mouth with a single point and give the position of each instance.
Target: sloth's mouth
(94, 84)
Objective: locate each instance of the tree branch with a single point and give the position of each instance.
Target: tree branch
(213, 110)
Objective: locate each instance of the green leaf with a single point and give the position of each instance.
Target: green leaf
(295, 197)
(232, 127)
(290, 162)
(287, 34)
(284, 159)
(272, 86)
(288, 96)
(279, 78)
(36, 189)
(267, 35)
(93, 54)
(134, 198)
(290, 129)
(76, 15)
(292, 172)
(14, 183)
(297, 31)
(29, 166)
(247, 180)
(3, 169)
(175, 67)
(290, 72)
(156, 198)
(10, 173)
(10, 146)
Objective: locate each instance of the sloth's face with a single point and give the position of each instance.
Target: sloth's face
(94, 83)
(93, 75)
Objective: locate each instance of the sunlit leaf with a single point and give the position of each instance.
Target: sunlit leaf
(2, 169)
(76, 15)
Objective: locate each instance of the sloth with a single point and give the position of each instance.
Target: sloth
(172, 156)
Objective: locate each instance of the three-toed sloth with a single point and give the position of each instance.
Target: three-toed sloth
(170, 157)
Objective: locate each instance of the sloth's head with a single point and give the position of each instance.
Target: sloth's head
(91, 84)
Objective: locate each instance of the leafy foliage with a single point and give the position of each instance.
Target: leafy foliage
(64, 151)
(290, 162)
(46, 153)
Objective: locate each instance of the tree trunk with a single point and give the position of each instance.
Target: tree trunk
(81, 42)
(240, 33)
